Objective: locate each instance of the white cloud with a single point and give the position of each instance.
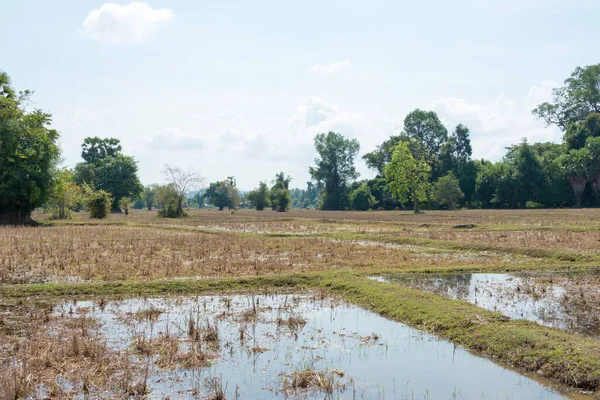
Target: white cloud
(125, 24)
(499, 123)
(541, 94)
(285, 146)
(175, 139)
(329, 68)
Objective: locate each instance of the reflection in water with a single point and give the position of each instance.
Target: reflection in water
(559, 300)
(264, 340)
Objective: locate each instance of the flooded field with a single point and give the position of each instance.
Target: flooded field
(281, 346)
(569, 301)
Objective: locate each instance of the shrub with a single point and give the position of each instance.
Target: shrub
(124, 204)
(96, 202)
(361, 199)
(446, 191)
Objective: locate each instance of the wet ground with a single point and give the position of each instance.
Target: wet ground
(291, 346)
(564, 300)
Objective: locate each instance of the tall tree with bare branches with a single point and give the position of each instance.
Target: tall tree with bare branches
(183, 182)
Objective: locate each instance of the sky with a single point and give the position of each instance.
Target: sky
(240, 88)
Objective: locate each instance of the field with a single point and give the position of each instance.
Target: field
(191, 292)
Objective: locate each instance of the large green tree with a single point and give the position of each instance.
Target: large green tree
(223, 194)
(408, 176)
(280, 193)
(426, 128)
(28, 155)
(575, 100)
(106, 168)
(334, 168)
(446, 191)
(259, 197)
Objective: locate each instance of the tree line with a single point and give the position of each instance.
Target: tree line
(425, 166)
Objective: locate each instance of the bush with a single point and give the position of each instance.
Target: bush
(97, 202)
(446, 191)
(533, 205)
(259, 198)
(124, 204)
(361, 198)
(172, 207)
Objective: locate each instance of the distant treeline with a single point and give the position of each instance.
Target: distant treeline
(424, 166)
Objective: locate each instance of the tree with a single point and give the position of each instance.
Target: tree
(95, 149)
(148, 196)
(426, 128)
(259, 198)
(526, 175)
(28, 155)
(182, 182)
(96, 202)
(105, 168)
(361, 198)
(64, 195)
(334, 168)
(578, 132)
(574, 101)
(408, 176)
(223, 194)
(198, 200)
(446, 191)
(280, 193)
(382, 155)
(167, 200)
(576, 165)
(125, 203)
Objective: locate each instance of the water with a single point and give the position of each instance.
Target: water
(559, 300)
(368, 356)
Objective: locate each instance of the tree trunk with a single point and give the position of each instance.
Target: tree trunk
(415, 206)
(13, 217)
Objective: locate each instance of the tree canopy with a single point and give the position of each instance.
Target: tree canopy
(334, 168)
(106, 168)
(28, 155)
(575, 100)
(408, 176)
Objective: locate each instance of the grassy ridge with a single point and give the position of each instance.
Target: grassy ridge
(569, 359)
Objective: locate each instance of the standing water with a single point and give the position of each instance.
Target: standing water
(295, 346)
(566, 301)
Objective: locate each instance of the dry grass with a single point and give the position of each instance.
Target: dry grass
(101, 252)
(37, 349)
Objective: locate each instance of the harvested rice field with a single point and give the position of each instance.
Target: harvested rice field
(495, 304)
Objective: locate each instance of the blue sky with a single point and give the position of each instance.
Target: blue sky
(241, 87)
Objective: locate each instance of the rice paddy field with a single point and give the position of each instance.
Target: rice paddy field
(472, 304)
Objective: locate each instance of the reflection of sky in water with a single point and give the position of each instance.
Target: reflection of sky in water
(403, 363)
(516, 296)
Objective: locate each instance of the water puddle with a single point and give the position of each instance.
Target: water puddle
(568, 301)
(292, 346)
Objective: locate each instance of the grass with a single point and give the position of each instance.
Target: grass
(141, 255)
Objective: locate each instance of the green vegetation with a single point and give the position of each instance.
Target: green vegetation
(446, 191)
(106, 168)
(408, 175)
(96, 202)
(28, 154)
(259, 198)
(280, 193)
(223, 194)
(334, 168)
